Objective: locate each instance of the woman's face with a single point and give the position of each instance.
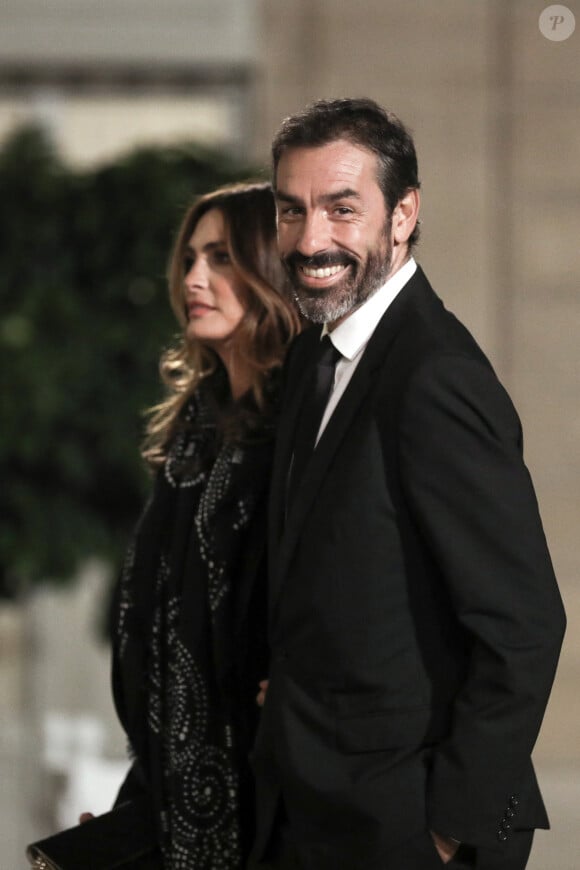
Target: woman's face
(215, 295)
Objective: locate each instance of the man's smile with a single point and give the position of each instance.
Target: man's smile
(323, 275)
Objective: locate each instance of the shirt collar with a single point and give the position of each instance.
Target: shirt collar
(353, 334)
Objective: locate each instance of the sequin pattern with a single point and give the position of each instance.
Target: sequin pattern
(199, 777)
(200, 781)
(125, 599)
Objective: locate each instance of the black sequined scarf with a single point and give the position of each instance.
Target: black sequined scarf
(192, 616)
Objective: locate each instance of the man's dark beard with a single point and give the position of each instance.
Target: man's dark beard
(330, 304)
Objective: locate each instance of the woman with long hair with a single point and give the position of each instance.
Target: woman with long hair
(189, 646)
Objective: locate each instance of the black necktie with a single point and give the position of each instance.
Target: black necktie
(313, 406)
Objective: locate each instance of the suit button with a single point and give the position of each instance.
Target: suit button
(509, 813)
(514, 802)
(501, 835)
(505, 824)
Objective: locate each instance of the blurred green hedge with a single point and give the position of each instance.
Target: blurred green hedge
(83, 319)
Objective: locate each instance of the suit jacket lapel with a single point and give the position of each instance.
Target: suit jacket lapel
(314, 474)
(293, 397)
(285, 532)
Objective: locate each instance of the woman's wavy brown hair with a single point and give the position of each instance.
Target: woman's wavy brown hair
(270, 320)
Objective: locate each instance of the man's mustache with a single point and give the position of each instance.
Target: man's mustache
(318, 261)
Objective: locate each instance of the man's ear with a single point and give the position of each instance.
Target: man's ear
(405, 216)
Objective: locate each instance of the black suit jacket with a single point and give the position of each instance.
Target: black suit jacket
(415, 620)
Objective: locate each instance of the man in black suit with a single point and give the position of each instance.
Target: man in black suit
(415, 620)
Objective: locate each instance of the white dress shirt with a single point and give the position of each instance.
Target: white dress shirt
(351, 336)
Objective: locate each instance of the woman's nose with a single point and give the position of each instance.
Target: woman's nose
(198, 275)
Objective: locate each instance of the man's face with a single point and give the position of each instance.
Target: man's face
(334, 233)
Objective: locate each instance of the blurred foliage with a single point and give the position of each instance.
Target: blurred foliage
(83, 318)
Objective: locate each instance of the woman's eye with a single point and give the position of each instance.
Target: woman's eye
(221, 258)
(187, 264)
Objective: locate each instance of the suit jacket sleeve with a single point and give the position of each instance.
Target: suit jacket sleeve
(470, 494)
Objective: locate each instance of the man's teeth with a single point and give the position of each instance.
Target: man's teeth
(322, 273)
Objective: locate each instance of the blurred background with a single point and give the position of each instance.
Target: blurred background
(113, 116)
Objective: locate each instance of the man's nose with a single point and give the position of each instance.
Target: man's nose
(314, 234)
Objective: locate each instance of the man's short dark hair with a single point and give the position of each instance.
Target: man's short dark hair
(366, 124)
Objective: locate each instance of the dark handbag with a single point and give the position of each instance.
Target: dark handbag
(123, 838)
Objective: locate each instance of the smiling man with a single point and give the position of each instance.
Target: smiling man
(334, 231)
(415, 620)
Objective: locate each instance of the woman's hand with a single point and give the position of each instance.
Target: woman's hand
(261, 696)
(85, 817)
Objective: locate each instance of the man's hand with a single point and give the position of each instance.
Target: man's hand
(85, 817)
(261, 696)
(446, 847)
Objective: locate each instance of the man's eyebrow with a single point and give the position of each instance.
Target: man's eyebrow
(344, 193)
(286, 197)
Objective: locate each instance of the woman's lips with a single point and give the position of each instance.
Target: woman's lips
(198, 309)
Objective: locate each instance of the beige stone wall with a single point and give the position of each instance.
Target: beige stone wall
(495, 109)
(545, 319)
